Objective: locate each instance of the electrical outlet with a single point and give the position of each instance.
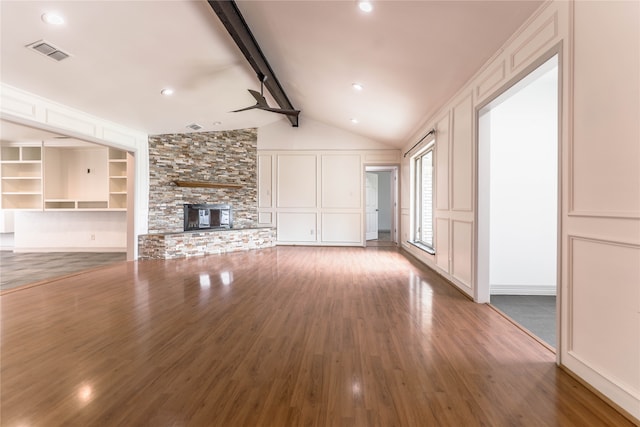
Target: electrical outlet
(93, 237)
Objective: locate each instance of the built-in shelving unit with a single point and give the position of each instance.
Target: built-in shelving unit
(62, 175)
(21, 184)
(117, 179)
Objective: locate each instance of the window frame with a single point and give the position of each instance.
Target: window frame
(417, 208)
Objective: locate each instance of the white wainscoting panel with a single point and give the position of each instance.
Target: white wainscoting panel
(296, 181)
(538, 39)
(17, 106)
(388, 157)
(442, 243)
(341, 181)
(462, 156)
(342, 228)
(75, 124)
(296, 227)
(604, 302)
(606, 111)
(117, 136)
(265, 218)
(462, 248)
(491, 80)
(265, 183)
(442, 163)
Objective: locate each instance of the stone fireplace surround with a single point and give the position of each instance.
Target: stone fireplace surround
(225, 157)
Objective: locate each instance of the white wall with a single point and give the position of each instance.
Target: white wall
(599, 47)
(310, 183)
(523, 168)
(66, 173)
(70, 231)
(315, 197)
(312, 135)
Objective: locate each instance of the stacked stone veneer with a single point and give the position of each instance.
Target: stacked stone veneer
(178, 245)
(219, 157)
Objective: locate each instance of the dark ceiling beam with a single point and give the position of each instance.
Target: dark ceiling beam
(232, 19)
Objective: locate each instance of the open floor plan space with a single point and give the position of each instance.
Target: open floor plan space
(284, 336)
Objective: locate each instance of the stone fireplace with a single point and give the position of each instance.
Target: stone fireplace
(226, 160)
(203, 168)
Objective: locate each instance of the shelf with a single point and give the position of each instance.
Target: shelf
(117, 169)
(202, 184)
(23, 154)
(31, 201)
(117, 200)
(30, 185)
(66, 204)
(21, 170)
(115, 154)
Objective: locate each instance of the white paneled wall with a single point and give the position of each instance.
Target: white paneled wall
(316, 197)
(599, 49)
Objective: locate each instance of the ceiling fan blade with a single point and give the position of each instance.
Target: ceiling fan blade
(282, 111)
(247, 108)
(261, 104)
(261, 101)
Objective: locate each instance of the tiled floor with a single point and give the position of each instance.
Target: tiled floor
(537, 313)
(17, 269)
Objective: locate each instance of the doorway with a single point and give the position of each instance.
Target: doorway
(67, 205)
(518, 202)
(380, 205)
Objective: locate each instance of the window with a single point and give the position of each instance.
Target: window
(423, 224)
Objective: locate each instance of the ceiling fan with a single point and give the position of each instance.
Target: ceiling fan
(261, 102)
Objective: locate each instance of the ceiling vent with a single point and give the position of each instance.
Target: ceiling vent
(194, 126)
(48, 50)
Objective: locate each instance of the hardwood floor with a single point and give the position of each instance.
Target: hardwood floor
(287, 336)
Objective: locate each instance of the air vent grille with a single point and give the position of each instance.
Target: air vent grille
(194, 126)
(48, 50)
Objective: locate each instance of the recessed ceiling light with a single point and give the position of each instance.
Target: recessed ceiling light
(167, 91)
(53, 18)
(354, 121)
(357, 86)
(365, 6)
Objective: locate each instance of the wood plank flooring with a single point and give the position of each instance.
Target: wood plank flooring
(287, 336)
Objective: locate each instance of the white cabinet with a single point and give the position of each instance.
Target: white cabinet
(21, 172)
(61, 175)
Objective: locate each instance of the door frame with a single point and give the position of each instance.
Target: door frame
(481, 271)
(395, 205)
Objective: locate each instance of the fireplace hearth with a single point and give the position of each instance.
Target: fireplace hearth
(207, 216)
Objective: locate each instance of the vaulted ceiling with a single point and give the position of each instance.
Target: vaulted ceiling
(409, 56)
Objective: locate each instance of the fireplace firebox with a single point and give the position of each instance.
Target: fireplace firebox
(204, 216)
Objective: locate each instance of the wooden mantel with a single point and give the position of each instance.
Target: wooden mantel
(203, 184)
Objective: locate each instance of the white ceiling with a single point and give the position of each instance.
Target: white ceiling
(411, 56)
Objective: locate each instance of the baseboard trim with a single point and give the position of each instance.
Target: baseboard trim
(522, 290)
(601, 395)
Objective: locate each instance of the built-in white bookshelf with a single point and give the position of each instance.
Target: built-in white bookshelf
(62, 175)
(21, 173)
(117, 179)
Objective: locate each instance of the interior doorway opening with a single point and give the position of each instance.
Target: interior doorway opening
(380, 205)
(518, 210)
(67, 204)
